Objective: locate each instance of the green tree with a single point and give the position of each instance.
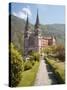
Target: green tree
(60, 51)
(16, 66)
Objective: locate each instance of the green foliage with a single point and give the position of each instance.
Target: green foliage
(33, 62)
(47, 50)
(56, 51)
(16, 66)
(35, 56)
(58, 69)
(27, 65)
(60, 51)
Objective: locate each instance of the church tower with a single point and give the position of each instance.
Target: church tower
(26, 37)
(36, 33)
(26, 28)
(37, 24)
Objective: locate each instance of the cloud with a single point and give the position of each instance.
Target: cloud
(23, 13)
(27, 11)
(20, 14)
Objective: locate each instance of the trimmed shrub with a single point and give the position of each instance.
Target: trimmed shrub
(58, 69)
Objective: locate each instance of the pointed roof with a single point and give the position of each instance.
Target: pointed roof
(37, 20)
(27, 23)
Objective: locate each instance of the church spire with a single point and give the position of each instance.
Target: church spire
(37, 20)
(27, 23)
(27, 27)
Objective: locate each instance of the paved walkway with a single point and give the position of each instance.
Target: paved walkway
(42, 75)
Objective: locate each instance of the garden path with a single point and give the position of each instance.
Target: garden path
(44, 76)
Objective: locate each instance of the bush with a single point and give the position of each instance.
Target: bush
(32, 62)
(47, 50)
(27, 65)
(33, 57)
(60, 52)
(36, 56)
(16, 66)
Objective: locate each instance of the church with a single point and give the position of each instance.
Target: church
(34, 41)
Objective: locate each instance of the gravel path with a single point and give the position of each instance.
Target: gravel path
(42, 75)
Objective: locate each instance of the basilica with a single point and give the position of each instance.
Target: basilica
(34, 41)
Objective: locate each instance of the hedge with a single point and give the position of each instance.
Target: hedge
(58, 69)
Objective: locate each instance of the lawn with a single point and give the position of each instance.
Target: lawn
(28, 77)
(58, 68)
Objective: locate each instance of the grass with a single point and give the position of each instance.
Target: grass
(58, 69)
(28, 77)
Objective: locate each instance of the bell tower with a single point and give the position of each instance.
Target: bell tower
(26, 37)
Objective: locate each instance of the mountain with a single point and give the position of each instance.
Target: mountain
(18, 27)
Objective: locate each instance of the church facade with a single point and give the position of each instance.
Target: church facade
(34, 41)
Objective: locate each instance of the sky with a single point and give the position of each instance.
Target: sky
(48, 14)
